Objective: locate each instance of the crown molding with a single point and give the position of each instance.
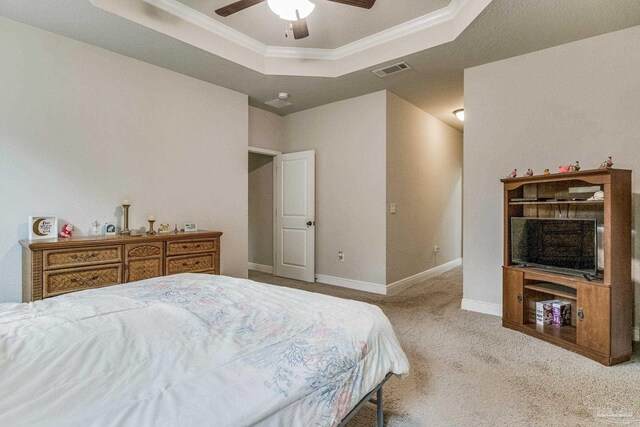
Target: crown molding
(422, 33)
(191, 15)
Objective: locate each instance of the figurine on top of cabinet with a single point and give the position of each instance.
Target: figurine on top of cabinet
(576, 167)
(607, 163)
(67, 231)
(565, 169)
(529, 172)
(513, 174)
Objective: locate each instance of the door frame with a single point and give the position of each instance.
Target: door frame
(273, 154)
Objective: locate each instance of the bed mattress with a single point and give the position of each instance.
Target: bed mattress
(191, 350)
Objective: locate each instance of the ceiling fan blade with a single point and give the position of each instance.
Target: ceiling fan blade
(237, 7)
(300, 29)
(367, 4)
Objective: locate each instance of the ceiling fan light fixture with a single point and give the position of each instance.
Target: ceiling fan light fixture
(286, 9)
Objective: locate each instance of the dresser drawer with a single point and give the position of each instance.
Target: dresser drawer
(140, 269)
(59, 282)
(190, 264)
(143, 250)
(65, 258)
(183, 247)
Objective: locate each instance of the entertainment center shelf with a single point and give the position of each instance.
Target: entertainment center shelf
(561, 202)
(555, 335)
(601, 306)
(556, 290)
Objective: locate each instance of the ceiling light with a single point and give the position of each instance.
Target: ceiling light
(459, 114)
(291, 10)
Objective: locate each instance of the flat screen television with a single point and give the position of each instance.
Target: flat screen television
(564, 245)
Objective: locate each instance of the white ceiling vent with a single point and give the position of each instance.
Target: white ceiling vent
(281, 102)
(392, 69)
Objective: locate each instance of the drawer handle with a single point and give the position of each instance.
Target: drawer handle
(519, 298)
(91, 279)
(580, 314)
(198, 246)
(186, 264)
(77, 256)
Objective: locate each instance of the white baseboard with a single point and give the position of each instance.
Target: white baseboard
(482, 307)
(374, 288)
(399, 286)
(261, 268)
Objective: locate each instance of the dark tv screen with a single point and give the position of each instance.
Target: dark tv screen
(568, 245)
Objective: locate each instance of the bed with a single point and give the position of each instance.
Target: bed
(192, 350)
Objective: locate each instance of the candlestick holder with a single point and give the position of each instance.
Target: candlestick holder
(151, 232)
(125, 228)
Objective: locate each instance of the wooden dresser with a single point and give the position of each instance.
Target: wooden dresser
(59, 266)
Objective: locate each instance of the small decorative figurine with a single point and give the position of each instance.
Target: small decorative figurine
(529, 172)
(175, 230)
(576, 167)
(607, 163)
(547, 172)
(513, 174)
(95, 229)
(565, 169)
(67, 231)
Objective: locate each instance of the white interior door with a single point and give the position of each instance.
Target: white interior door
(295, 208)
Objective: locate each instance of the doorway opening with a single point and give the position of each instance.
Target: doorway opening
(261, 218)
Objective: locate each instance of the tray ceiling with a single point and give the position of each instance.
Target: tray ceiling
(371, 40)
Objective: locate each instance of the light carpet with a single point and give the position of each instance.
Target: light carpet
(467, 370)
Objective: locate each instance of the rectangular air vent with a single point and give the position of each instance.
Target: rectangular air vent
(392, 69)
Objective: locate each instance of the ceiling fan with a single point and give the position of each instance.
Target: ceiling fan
(294, 11)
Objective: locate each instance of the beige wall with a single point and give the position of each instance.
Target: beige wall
(350, 140)
(82, 127)
(260, 209)
(424, 180)
(266, 129)
(578, 101)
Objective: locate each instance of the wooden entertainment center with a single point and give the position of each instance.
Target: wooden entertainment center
(601, 308)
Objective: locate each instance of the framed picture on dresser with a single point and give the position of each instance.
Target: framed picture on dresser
(43, 227)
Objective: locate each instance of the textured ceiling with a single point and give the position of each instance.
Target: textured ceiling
(506, 28)
(331, 24)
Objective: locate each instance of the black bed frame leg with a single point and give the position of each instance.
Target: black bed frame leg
(380, 407)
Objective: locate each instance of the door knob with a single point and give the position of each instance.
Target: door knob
(310, 223)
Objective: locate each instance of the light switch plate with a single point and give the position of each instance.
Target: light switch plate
(392, 208)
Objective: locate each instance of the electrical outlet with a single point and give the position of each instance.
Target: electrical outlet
(341, 256)
(392, 208)
(436, 249)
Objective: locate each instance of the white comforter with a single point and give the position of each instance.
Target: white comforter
(191, 350)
